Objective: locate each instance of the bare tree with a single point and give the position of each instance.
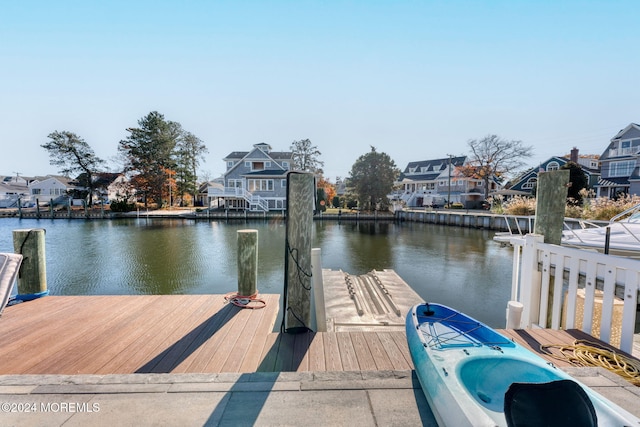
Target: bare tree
(306, 156)
(493, 157)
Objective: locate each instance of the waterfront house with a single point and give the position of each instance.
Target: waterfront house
(434, 182)
(110, 187)
(13, 188)
(254, 180)
(51, 189)
(619, 164)
(527, 182)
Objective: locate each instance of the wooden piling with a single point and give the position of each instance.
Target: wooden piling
(300, 206)
(551, 199)
(30, 243)
(247, 262)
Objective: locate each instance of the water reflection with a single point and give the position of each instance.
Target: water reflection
(460, 267)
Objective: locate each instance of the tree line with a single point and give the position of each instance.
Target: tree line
(159, 155)
(161, 159)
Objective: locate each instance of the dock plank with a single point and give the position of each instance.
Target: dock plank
(195, 334)
(316, 353)
(332, 358)
(398, 354)
(347, 352)
(378, 352)
(363, 354)
(97, 343)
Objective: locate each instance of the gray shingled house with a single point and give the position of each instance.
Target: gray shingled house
(254, 180)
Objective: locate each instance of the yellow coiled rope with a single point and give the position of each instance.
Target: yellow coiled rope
(589, 354)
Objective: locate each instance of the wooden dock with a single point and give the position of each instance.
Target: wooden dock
(191, 334)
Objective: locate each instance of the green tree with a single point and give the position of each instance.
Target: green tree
(371, 179)
(190, 152)
(577, 180)
(72, 155)
(149, 152)
(493, 157)
(306, 156)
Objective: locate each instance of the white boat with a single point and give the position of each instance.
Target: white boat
(620, 237)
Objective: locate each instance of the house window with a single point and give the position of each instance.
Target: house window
(260, 185)
(285, 165)
(267, 164)
(442, 183)
(624, 168)
(229, 164)
(35, 191)
(235, 183)
(531, 183)
(412, 170)
(257, 166)
(283, 183)
(553, 166)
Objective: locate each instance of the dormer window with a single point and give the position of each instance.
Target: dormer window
(553, 166)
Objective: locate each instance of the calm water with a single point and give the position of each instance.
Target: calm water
(460, 267)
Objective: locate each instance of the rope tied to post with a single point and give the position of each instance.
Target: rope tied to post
(585, 353)
(245, 301)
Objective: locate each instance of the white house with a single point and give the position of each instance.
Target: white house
(44, 190)
(12, 189)
(435, 182)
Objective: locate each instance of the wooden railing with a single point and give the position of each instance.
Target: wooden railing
(568, 288)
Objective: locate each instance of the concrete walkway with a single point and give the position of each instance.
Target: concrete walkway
(367, 398)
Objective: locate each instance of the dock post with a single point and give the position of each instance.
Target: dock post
(318, 290)
(551, 199)
(297, 288)
(32, 280)
(247, 262)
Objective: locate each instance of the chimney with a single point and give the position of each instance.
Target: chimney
(574, 155)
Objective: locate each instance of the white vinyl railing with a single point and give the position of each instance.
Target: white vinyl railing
(561, 287)
(254, 201)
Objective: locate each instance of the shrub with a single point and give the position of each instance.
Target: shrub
(122, 206)
(520, 205)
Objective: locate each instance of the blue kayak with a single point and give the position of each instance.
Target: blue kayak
(473, 376)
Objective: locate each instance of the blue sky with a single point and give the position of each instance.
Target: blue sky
(415, 79)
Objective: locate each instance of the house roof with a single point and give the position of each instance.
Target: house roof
(622, 132)
(105, 178)
(267, 172)
(276, 155)
(433, 168)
